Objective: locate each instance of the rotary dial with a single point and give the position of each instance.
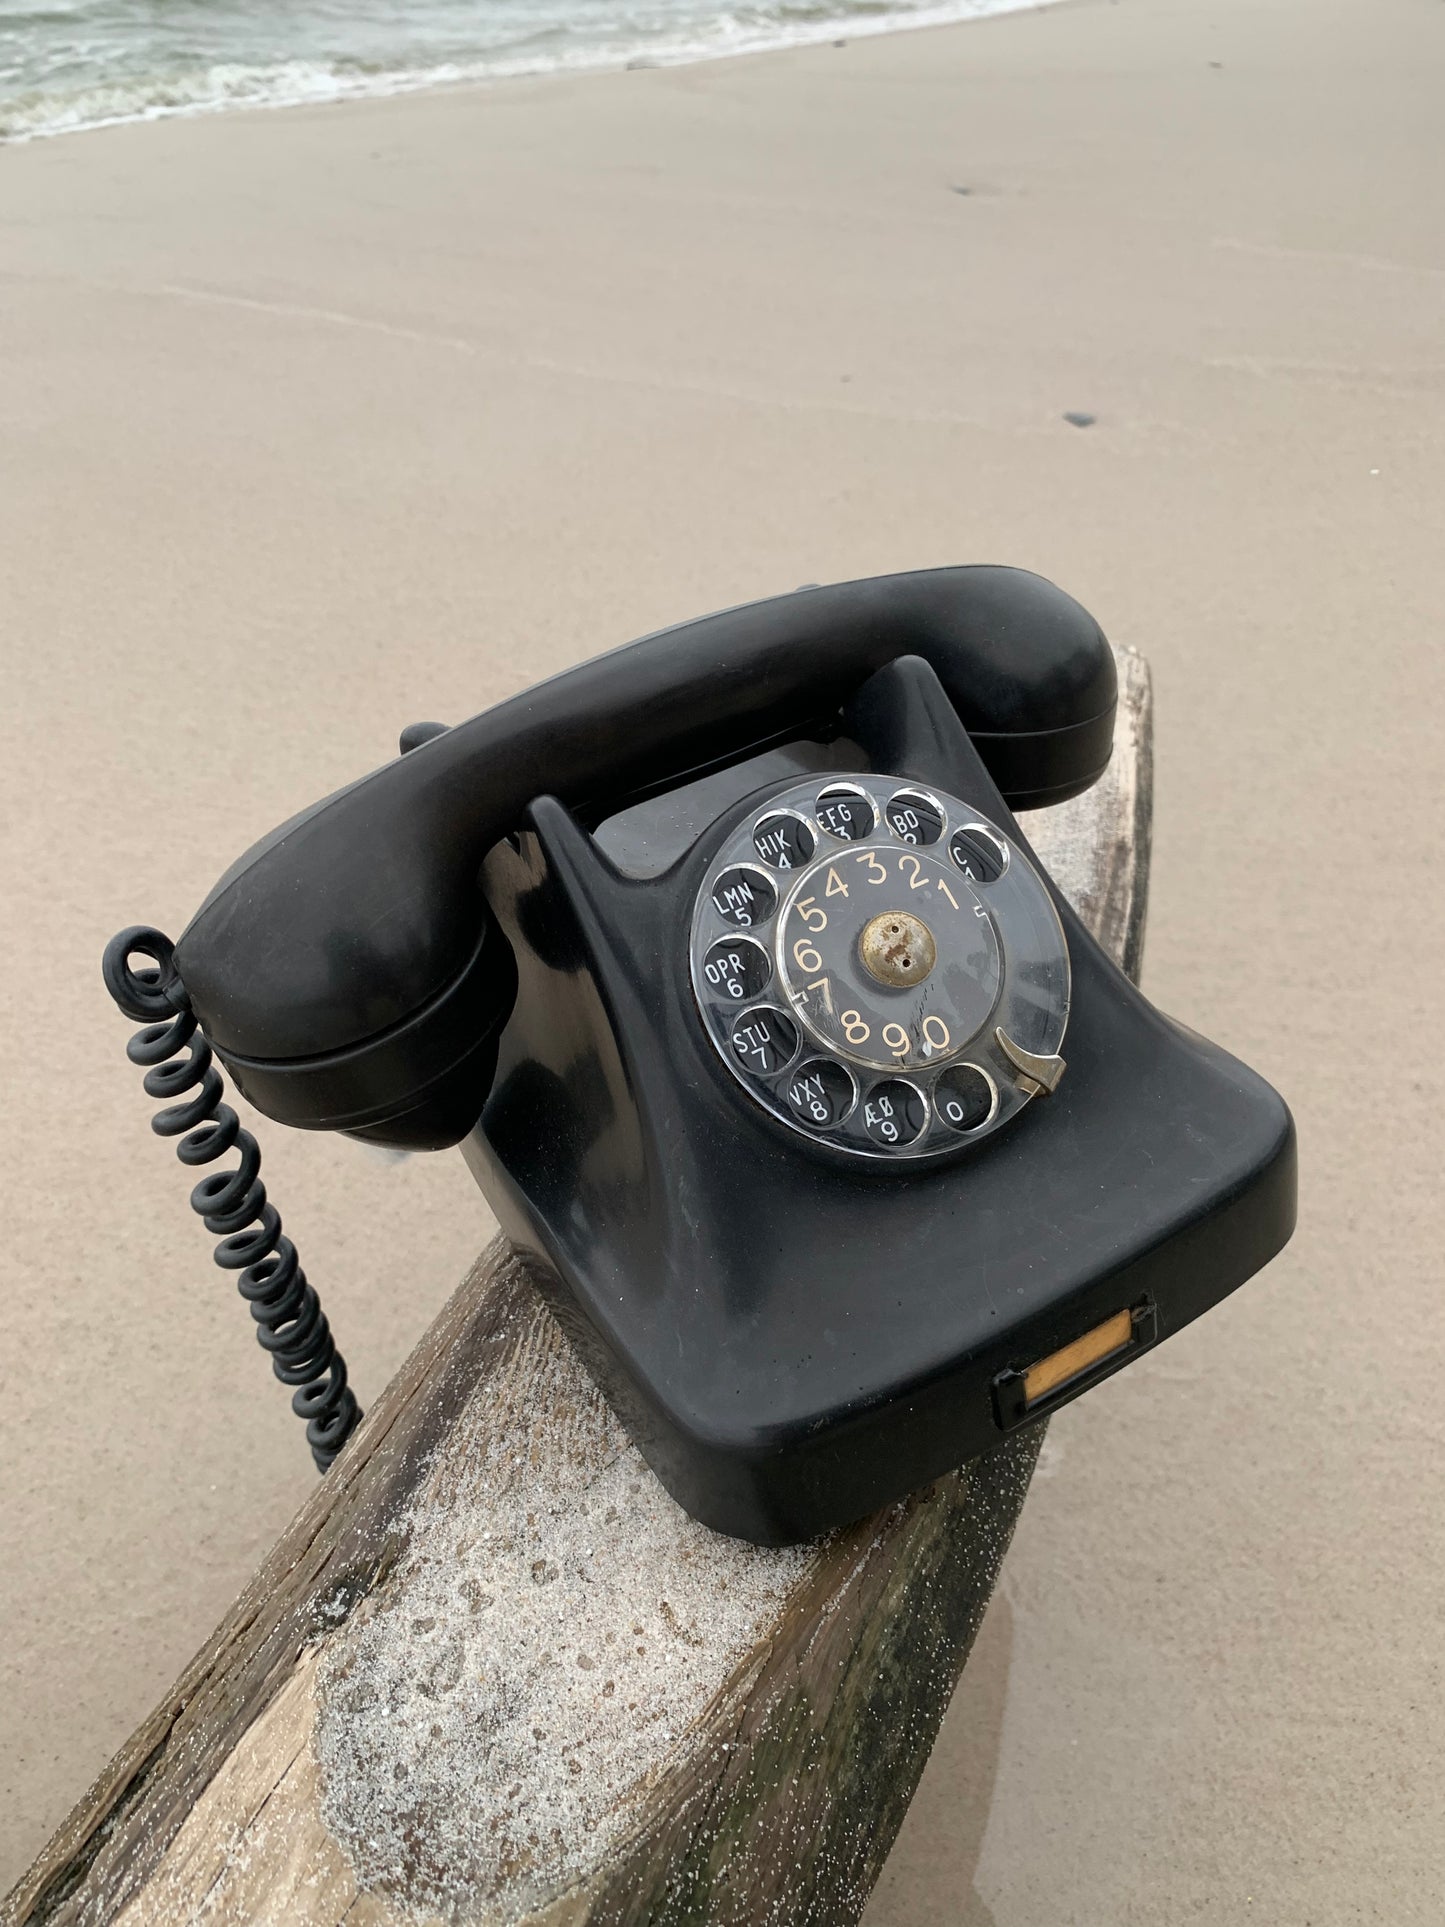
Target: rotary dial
(880, 967)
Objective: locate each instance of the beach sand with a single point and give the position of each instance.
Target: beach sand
(321, 421)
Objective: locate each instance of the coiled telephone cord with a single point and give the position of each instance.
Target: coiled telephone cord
(290, 1324)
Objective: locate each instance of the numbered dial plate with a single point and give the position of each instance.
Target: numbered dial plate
(889, 956)
(857, 945)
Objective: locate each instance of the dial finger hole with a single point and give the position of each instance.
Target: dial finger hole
(846, 812)
(821, 1093)
(914, 817)
(894, 1113)
(764, 1041)
(784, 840)
(978, 853)
(744, 897)
(737, 969)
(965, 1098)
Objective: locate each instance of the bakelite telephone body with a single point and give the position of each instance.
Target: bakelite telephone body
(834, 1139)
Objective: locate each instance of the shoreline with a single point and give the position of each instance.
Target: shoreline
(402, 82)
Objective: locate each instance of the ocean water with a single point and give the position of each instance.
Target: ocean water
(68, 65)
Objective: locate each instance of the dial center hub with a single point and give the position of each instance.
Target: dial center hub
(897, 949)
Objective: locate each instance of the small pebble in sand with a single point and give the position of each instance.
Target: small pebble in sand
(1077, 418)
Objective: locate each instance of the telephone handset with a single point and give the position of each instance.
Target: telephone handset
(837, 1143)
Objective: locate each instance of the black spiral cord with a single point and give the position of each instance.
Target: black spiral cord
(290, 1324)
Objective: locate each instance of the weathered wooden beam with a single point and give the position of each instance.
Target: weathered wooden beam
(493, 1674)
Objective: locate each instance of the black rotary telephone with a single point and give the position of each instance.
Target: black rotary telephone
(837, 1143)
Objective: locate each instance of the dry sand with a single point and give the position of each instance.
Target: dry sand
(318, 422)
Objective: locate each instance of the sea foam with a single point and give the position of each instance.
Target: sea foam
(82, 64)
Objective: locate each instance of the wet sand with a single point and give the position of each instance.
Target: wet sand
(318, 422)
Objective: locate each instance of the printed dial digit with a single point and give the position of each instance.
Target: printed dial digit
(764, 1041)
(820, 1093)
(937, 1038)
(744, 897)
(783, 840)
(964, 1098)
(914, 818)
(893, 1113)
(979, 855)
(737, 968)
(844, 812)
